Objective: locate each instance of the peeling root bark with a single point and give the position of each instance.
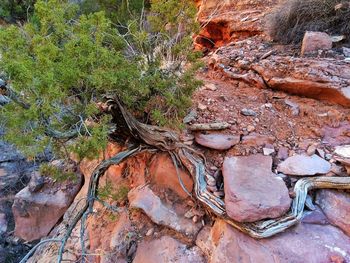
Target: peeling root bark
(149, 137)
(166, 140)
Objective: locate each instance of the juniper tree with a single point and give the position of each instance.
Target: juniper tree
(60, 65)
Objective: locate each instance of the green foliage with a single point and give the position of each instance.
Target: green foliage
(63, 63)
(12, 10)
(56, 173)
(118, 11)
(108, 192)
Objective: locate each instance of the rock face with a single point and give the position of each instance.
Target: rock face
(314, 41)
(336, 206)
(252, 191)
(36, 213)
(163, 173)
(225, 21)
(305, 243)
(144, 198)
(166, 250)
(303, 165)
(325, 79)
(118, 245)
(217, 141)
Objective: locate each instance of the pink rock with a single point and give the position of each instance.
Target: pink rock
(304, 165)
(336, 136)
(217, 141)
(314, 41)
(117, 250)
(37, 213)
(252, 191)
(282, 153)
(336, 206)
(307, 243)
(144, 198)
(315, 217)
(167, 249)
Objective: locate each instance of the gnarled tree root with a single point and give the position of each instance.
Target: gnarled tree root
(166, 140)
(156, 138)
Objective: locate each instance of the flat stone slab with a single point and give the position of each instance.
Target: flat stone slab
(36, 213)
(144, 198)
(336, 206)
(308, 243)
(304, 165)
(252, 191)
(217, 141)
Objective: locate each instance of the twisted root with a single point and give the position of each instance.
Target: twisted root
(167, 140)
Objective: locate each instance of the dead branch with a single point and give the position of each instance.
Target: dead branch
(209, 126)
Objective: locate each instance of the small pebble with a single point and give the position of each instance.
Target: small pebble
(195, 219)
(202, 106)
(150, 232)
(250, 128)
(268, 151)
(248, 112)
(311, 150)
(321, 153)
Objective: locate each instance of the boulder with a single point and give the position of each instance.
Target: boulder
(336, 206)
(304, 165)
(217, 141)
(166, 250)
(116, 250)
(163, 173)
(314, 41)
(144, 198)
(36, 213)
(252, 191)
(308, 243)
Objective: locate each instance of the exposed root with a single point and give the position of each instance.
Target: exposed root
(153, 137)
(195, 164)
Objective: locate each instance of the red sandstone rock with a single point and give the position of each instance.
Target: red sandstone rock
(166, 250)
(314, 41)
(144, 198)
(335, 136)
(252, 191)
(37, 213)
(303, 165)
(226, 21)
(118, 243)
(163, 173)
(217, 141)
(307, 243)
(336, 206)
(324, 79)
(257, 140)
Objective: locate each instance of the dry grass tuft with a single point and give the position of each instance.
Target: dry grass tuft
(289, 21)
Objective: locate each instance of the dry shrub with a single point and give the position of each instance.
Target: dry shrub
(289, 21)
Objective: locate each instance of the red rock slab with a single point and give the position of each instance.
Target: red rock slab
(252, 191)
(217, 141)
